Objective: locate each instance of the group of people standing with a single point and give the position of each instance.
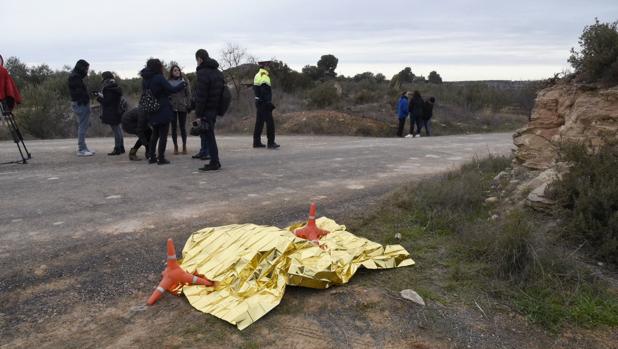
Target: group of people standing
(419, 110)
(174, 100)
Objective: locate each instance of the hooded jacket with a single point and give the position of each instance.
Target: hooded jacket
(161, 89)
(402, 107)
(109, 102)
(416, 106)
(8, 89)
(77, 87)
(208, 88)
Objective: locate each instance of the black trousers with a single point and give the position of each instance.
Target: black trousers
(140, 141)
(418, 121)
(211, 141)
(402, 123)
(264, 115)
(159, 134)
(180, 119)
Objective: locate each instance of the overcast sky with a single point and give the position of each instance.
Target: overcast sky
(462, 40)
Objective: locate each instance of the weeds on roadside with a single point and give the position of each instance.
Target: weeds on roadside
(447, 222)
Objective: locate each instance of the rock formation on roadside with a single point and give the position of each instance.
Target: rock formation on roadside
(563, 113)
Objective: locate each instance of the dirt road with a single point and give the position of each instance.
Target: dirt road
(82, 239)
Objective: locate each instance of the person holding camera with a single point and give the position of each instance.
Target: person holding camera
(135, 121)
(154, 83)
(109, 97)
(181, 104)
(9, 93)
(80, 104)
(208, 91)
(264, 106)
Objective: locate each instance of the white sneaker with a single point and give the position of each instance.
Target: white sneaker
(85, 153)
(409, 135)
(92, 151)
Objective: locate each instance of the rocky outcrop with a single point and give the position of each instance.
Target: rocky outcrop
(567, 113)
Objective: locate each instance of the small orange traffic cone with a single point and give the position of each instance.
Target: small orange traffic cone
(311, 231)
(173, 276)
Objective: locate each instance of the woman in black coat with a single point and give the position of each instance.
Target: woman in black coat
(110, 97)
(161, 89)
(416, 113)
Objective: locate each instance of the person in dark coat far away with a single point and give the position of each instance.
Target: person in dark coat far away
(80, 104)
(416, 113)
(402, 112)
(109, 97)
(427, 114)
(208, 91)
(135, 122)
(161, 89)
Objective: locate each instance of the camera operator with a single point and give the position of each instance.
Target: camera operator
(9, 94)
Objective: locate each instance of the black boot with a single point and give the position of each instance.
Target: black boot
(122, 150)
(213, 166)
(273, 145)
(163, 161)
(116, 151)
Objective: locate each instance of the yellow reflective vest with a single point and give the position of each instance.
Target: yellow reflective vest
(261, 78)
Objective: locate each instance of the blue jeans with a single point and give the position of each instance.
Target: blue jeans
(118, 140)
(203, 145)
(82, 116)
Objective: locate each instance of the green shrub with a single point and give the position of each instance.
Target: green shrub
(323, 95)
(598, 58)
(588, 195)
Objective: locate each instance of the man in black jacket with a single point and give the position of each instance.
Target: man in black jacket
(80, 104)
(208, 91)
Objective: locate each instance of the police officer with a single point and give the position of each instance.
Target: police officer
(263, 103)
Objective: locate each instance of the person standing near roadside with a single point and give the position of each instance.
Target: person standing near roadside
(402, 112)
(416, 113)
(208, 92)
(161, 90)
(80, 104)
(264, 108)
(135, 121)
(110, 97)
(181, 102)
(427, 114)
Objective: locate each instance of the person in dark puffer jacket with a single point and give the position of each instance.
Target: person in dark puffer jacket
(80, 104)
(161, 89)
(208, 91)
(110, 97)
(416, 113)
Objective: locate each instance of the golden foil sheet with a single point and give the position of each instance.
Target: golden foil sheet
(252, 265)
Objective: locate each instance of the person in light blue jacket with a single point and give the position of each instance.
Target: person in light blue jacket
(402, 112)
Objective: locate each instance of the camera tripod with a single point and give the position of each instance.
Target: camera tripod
(6, 116)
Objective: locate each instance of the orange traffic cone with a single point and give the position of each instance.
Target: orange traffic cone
(173, 276)
(311, 231)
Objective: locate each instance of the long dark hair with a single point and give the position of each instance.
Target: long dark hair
(1, 61)
(171, 76)
(155, 65)
(416, 94)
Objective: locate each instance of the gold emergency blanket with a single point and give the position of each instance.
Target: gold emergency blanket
(252, 265)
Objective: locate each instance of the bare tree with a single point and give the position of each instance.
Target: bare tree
(232, 57)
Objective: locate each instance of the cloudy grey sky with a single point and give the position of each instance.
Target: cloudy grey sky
(462, 40)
